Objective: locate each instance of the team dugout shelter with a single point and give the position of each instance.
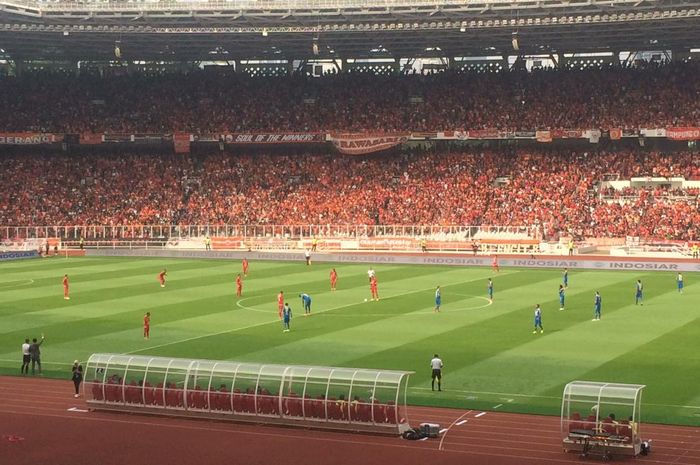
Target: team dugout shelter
(354, 399)
(602, 419)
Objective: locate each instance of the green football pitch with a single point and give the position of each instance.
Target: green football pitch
(492, 358)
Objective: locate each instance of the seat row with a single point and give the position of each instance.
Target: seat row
(247, 403)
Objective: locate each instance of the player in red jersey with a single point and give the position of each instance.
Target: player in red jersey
(239, 286)
(373, 288)
(245, 267)
(65, 287)
(147, 325)
(280, 303)
(494, 264)
(161, 277)
(334, 279)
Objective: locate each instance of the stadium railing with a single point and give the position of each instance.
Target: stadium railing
(165, 231)
(351, 399)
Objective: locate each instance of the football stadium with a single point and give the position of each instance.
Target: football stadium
(344, 231)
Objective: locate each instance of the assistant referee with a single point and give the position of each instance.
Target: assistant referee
(436, 365)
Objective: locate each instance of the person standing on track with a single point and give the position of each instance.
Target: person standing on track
(66, 287)
(77, 377)
(26, 358)
(436, 364)
(147, 325)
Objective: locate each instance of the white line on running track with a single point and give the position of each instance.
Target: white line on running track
(443, 430)
(480, 415)
(497, 406)
(448, 428)
(462, 422)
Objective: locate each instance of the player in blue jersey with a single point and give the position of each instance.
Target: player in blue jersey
(638, 297)
(679, 282)
(561, 297)
(565, 276)
(597, 303)
(286, 317)
(438, 299)
(538, 319)
(489, 289)
(306, 301)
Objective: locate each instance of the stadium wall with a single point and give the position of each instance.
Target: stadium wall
(592, 262)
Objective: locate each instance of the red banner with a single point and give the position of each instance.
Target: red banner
(686, 133)
(362, 144)
(278, 138)
(543, 136)
(90, 138)
(181, 141)
(567, 134)
(28, 138)
(615, 133)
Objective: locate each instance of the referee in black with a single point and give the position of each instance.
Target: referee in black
(436, 365)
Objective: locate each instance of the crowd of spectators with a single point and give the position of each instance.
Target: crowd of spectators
(217, 102)
(103, 190)
(559, 191)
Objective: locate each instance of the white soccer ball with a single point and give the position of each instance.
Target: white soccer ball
(365, 300)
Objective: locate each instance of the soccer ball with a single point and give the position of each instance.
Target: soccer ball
(365, 300)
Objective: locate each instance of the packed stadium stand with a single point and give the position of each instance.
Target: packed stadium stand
(204, 101)
(559, 190)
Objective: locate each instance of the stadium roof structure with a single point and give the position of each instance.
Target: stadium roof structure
(184, 30)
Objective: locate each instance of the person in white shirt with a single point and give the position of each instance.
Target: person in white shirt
(436, 365)
(370, 273)
(26, 358)
(307, 257)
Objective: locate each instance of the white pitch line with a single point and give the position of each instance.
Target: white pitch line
(460, 423)
(480, 415)
(233, 330)
(497, 406)
(16, 283)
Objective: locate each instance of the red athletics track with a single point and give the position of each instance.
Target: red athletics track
(36, 427)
